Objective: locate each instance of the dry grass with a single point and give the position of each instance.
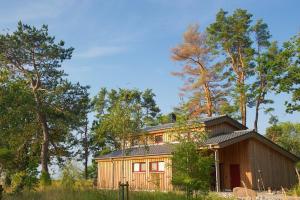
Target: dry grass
(84, 191)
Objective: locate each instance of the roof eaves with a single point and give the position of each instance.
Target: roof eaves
(132, 156)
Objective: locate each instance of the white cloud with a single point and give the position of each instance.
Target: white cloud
(101, 51)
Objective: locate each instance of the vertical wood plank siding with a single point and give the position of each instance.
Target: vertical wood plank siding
(236, 154)
(110, 172)
(220, 129)
(276, 170)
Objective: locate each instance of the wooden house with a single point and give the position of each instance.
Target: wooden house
(242, 157)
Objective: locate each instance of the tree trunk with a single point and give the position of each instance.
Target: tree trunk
(209, 105)
(45, 144)
(86, 150)
(256, 115)
(244, 114)
(243, 107)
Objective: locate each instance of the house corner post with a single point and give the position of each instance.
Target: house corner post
(217, 169)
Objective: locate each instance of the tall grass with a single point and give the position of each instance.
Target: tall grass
(83, 191)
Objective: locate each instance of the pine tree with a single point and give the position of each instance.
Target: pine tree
(200, 73)
(265, 57)
(33, 56)
(230, 36)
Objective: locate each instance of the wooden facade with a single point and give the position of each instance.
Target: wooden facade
(235, 154)
(259, 166)
(275, 169)
(248, 160)
(110, 173)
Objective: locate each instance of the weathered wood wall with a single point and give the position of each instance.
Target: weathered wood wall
(276, 170)
(110, 173)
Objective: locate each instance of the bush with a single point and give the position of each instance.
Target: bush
(295, 191)
(69, 175)
(191, 169)
(17, 182)
(24, 179)
(45, 179)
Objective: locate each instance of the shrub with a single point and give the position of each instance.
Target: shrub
(69, 175)
(45, 179)
(191, 166)
(24, 179)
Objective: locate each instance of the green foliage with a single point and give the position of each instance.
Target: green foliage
(45, 179)
(295, 191)
(120, 114)
(92, 170)
(231, 110)
(287, 135)
(149, 105)
(191, 166)
(17, 181)
(297, 166)
(70, 174)
(288, 73)
(51, 105)
(265, 57)
(6, 157)
(24, 179)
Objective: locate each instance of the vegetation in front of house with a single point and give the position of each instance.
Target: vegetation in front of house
(55, 192)
(295, 191)
(191, 167)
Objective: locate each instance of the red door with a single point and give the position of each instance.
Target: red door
(235, 178)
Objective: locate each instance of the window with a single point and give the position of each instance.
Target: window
(139, 167)
(157, 166)
(134, 141)
(158, 139)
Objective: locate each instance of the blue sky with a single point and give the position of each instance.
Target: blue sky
(127, 43)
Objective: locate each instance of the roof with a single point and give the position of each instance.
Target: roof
(206, 120)
(226, 137)
(166, 149)
(219, 141)
(162, 149)
(225, 140)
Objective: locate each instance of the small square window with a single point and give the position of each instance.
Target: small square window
(143, 167)
(161, 166)
(158, 139)
(136, 167)
(153, 166)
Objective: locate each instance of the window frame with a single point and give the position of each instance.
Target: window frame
(157, 166)
(140, 167)
(162, 139)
